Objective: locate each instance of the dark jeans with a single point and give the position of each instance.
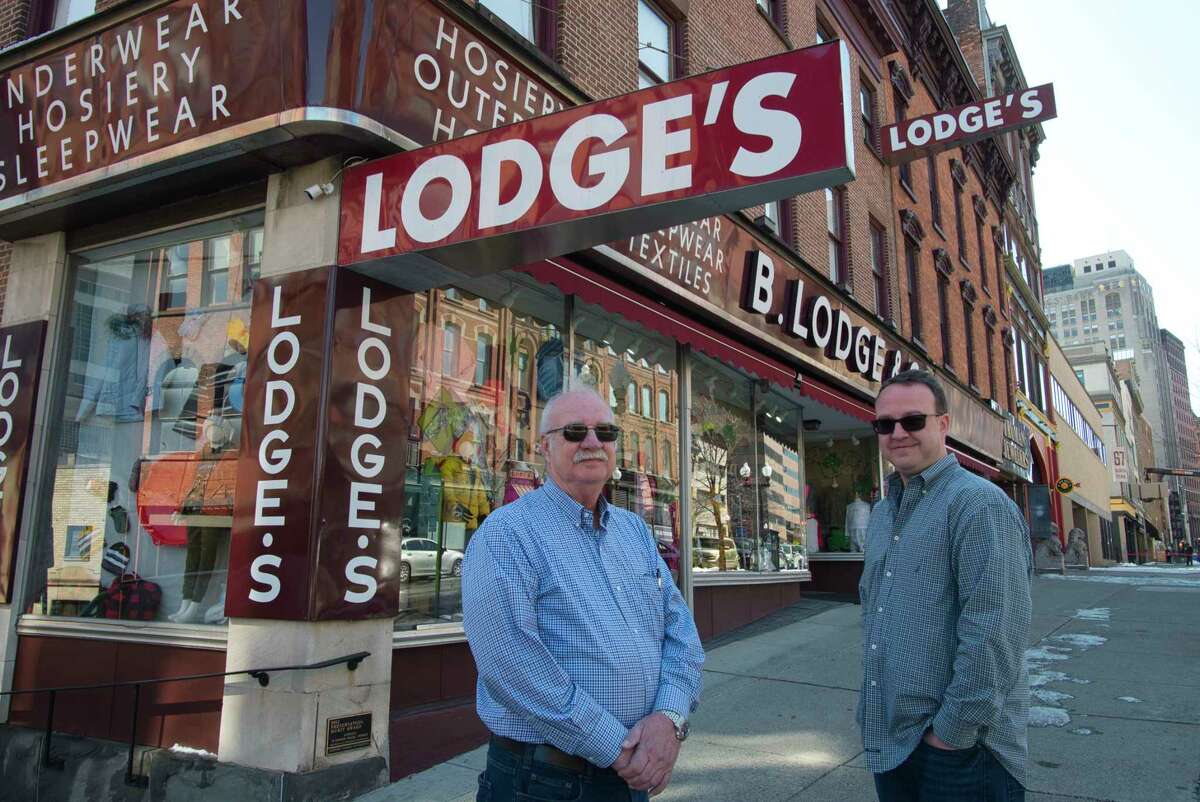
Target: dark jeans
(959, 775)
(513, 778)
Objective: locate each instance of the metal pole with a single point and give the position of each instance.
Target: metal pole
(683, 359)
(47, 761)
(130, 779)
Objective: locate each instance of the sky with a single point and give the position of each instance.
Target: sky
(1119, 169)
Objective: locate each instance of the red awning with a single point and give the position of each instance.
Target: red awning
(973, 464)
(602, 291)
(823, 393)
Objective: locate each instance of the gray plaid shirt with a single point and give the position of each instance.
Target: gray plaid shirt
(945, 605)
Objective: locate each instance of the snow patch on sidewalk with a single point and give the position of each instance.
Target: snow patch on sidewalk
(1095, 614)
(1042, 654)
(1048, 717)
(1133, 700)
(1160, 581)
(1081, 640)
(1052, 698)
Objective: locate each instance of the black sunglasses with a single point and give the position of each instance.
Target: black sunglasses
(910, 423)
(577, 432)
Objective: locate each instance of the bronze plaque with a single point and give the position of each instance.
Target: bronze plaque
(346, 733)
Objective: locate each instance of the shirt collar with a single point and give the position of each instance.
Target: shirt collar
(576, 511)
(925, 477)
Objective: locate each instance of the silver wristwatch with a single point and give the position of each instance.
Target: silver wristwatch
(681, 724)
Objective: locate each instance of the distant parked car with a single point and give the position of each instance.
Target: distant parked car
(418, 557)
(706, 553)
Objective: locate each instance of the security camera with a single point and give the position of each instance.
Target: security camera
(318, 190)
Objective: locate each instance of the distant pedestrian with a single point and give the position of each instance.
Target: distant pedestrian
(946, 607)
(588, 657)
(1188, 551)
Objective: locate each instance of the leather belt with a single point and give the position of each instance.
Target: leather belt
(544, 753)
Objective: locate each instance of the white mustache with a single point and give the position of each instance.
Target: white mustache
(593, 453)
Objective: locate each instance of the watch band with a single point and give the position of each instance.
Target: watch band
(681, 724)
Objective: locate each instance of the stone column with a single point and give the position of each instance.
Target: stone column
(283, 726)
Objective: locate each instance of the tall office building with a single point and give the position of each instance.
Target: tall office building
(1175, 355)
(1103, 299)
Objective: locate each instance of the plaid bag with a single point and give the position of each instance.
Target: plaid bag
(132, 598)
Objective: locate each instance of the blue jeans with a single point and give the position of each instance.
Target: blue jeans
(513, 778)
(958, 775)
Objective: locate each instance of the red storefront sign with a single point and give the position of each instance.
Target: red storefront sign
(321, 468)
(702, 145)
(942, 130)
(20, 363)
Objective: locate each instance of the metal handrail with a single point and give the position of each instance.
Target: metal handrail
(261, 674)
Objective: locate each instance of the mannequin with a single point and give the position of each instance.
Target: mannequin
(858, 512)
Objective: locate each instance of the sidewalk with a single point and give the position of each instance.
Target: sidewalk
(1115, 659)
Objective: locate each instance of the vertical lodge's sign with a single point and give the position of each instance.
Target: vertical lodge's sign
(20, 363)
(315, 525)
(699, 146)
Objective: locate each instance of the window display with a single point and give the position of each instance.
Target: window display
(489, 355)
(746, 474)
(842, 473)
(149, 421)
(629, 366)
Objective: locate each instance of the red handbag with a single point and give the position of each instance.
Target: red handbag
(132, 598)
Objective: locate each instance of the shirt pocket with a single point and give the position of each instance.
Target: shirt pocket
(647, 597)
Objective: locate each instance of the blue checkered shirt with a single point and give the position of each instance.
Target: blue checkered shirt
(945, 614)
(578, 632)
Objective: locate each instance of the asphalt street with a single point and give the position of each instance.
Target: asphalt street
(1114, 662)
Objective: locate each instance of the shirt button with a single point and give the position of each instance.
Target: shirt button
(880, 610)
(889, 573)
(896, 537)
(872, 683)
(618, 587)
(874, 646)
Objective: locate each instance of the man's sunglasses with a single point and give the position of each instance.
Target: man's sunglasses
(910, 423)
(577, 432)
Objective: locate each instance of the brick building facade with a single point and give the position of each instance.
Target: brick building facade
(917, 254)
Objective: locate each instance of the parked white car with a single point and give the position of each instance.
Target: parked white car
(418, 557)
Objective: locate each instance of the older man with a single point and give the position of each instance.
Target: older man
(588, 658)
(946, 608)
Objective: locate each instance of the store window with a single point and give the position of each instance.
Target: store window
(654, 45)
(841, 470)
(472, 446)
(632, 357)
(747, 507)
(148, 420)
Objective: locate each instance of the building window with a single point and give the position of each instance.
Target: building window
(958, 221)
(173, 276)
(666, 459)
(835, 224)
(935, 201)
(631, 398)
(773, 216)
(991, 355)
(983, 266)
(635, 448)
(912, 266)
(79, 542)
(883, 297)
(1112, 304)
(866, 110)
(902, 112)
(516, 14)
(483, 359)
(654, 45)
(523, 370)
(773, 9)
(218, 259)
(664, 406)
(647, 406)
(824, 32)
(969, 329)
(451, 334)
(944, 313)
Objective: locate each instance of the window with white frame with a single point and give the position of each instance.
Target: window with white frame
(654, 45)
